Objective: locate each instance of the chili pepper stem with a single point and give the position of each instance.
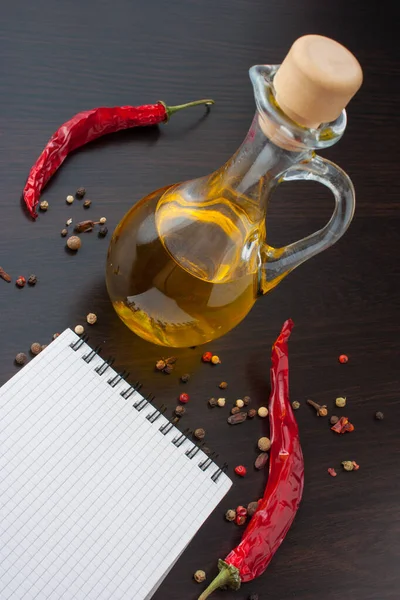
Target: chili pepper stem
(228, 576)
(170, 110)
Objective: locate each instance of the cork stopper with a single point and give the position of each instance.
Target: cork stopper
(316, 80)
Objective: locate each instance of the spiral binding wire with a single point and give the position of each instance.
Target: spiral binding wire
(179, 439)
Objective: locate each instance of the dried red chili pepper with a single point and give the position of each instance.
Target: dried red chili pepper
(343, 425)
(85, 127)
(282, 496)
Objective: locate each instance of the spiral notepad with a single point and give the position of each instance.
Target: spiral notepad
(99, 492)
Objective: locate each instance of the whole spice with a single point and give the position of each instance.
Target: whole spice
(264, 444)
(87, 203)
(262, 412)
(240, 470)
(69, 222)
(199, 576)
(184, 398)
(43, 347)
(207, 356)
(251, 413)
(69, 199)
(32, 280)
(168, 369)
(241, 511)
(355, 465)
(239, 403)
(240, 519)
(261, 461)
(55, 336)
(199, 433)
(91, 318)
(21, 281)
(36, 348)
(343, 358)
(74, 242)
(332, 472)
(83, 128)
(84, 226)
(295, 405)
(221, 402)
(334, 419)
(185, 377)
(278, 507)
(223, 385)
(166, 364)
(80, 192)
(160, 365)
(21, 358)
(340, 402)
(246, 400)
(251, 508)
(180, 411)
(235, 410)
(230, 515)
(102, 231)
(64, 232)
(44, 205)
(79, 329)
(212, 402)
(322, 411)
(102, 220)
(379, 415)
(347, 465)
(215, 360)
(343, 425)
(4, 275)
(237, 418)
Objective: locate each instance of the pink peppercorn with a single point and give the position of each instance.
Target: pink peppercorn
(184, 398)
(240, 470)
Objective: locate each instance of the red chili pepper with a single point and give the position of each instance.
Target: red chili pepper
(85, 127)
(282, 496)
(343, 425)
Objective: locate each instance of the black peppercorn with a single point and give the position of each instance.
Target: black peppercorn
(103, 231)
(251, 413)
(199, 433)
(379, 415)
(80, 192)
(32, 280)
(180, 410)
(212, 402)
(168, 369)
(185, 377)
(246, 400)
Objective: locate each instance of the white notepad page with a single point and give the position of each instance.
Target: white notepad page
(96, 503)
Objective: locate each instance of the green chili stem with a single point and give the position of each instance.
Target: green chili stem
(170, 110)
(228, 576)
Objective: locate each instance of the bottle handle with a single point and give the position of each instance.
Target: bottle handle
(279, 262)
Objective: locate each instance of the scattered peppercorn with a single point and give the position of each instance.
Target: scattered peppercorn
(379, 415)
(74, 242)
(21, 358)
(79, 329)
(160, 365)
(55, 336)
(87, 203)
(80, 192)
(199, 576)
(262, 412)
(68, 223)
(212, 402)
(230, 515)
(166, 364)
(32, 280)
(251, 508)
(199, 433)
(322, 411)
(44, 205)
(237, 418)
(103, 232)
(69, 199)
(91, 318)
(221, 402)
(180, 411)
(240, 470)
(102, 220)
(334, 419)
(261, 461)
(36, 348)
(241, 511)
(21, 281)
(64, 232)
(340, 402)
(223, 385)
(332, 472)
(215, 360)
(235, 410)
(184, 398)
(43, 347)
(185, 377)
(240, 520)
(295, 405)
(5, 275)
(246, 400)
(264, 444)
(207, 356)
(251, 413)
(347, 465)
(239, 403)
(168, 369)
(343, 358)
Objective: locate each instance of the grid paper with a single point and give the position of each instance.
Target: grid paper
(95, 502)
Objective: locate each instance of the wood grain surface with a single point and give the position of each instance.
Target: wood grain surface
(58, 58)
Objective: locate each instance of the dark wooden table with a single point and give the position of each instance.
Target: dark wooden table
(61, 57)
